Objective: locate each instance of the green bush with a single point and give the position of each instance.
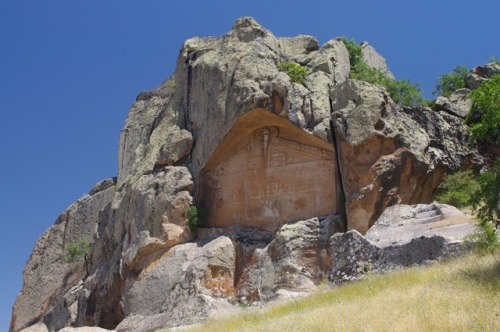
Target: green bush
(296, 72)
(355, 51)
(486, 205)
(401, 91)
(75, 251)
(486, 101)
(458, 188)
(196, 216)
(450, 82)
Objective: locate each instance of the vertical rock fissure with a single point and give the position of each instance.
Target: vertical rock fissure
(339, 175)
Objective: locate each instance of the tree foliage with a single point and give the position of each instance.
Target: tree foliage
(196, 216)
(448, 83)
(486, 101)
(486, 204)
(458, 189)
(296, 72)
(401, 91)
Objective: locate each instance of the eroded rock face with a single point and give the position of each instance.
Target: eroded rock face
(183, 286)
(391, 155)
(46, 276)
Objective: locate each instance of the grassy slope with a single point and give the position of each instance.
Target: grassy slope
(460, 295)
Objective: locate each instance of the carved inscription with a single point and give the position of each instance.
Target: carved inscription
(269, 181)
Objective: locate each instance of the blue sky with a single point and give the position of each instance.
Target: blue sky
(69, 71)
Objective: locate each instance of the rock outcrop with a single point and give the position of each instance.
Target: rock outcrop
(404, 235)
(148, 269)
(457, 103)
(390, 154)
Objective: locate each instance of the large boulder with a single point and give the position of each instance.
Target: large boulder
(296, 260)
(457, 103)
(183, 286)
(404, 235)
(388, 154)
(480, 74)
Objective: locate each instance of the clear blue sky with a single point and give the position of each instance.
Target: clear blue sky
(69, 71)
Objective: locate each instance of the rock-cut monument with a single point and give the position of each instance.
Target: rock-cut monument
(266, 172)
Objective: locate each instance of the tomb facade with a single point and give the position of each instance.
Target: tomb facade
(267, 172)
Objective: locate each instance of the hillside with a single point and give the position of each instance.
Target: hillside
(459, 295)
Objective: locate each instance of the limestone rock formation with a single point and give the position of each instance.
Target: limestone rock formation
(388, 154)
(229, 109)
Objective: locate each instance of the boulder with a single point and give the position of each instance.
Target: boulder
(457, 103)
(183, 286)
(480, 74)
(295, 260)
(404, 235)
(390, 154)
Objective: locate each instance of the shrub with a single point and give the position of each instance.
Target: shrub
(450, 82)
(296, 72)
(458, 189)
(196, 216)
(355, 51)
(401, 91)
(75, 251)
(486, 101)
(486, 205)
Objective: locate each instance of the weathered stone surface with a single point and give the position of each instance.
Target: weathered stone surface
(152, 134)
(295, 260)
(403, 236)
(265, 176)
(145, 219)
(373, 59)
(480, 74)
(83, 329)
(400, 224)
(457, 103)
(47, 277)
(390, 155)
(102, 185)
(38, 327)
(302, 44)
(180, 285)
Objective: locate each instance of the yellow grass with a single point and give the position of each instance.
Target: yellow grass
(460, 295)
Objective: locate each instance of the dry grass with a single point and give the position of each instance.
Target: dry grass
(460, 295)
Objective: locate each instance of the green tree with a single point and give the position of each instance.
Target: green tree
(486, 101)
(486, 204)
(458, 189)
(75, 251)
(450, 82)
(401, 91)
(296, 72)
